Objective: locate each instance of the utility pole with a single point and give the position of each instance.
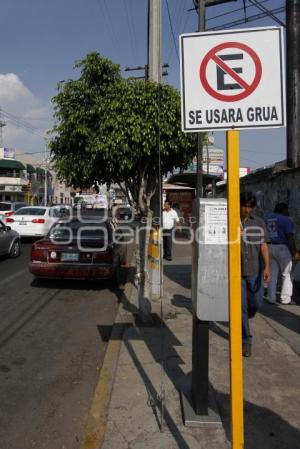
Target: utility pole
(200, 342)
(155, 74)
(2, 124)
(154, 40)
(46, 180)
(293, 82)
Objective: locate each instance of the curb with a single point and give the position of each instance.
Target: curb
(97, 419)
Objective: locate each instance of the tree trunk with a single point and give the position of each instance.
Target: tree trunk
(142, 268)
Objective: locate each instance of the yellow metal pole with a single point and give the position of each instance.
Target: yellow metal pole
(234, 294)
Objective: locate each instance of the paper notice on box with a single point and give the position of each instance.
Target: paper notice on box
(215, 231)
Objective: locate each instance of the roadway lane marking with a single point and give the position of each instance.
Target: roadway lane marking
(14, 276)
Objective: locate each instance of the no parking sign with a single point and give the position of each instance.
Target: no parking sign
(233, 79)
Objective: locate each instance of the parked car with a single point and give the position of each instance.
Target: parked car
(33, 221)
(125, 212)
(9, 208)
(9, 241)
(77, 250)
(64, 209)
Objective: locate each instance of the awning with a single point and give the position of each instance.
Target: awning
(190, 179)
(11, 163)
(40, 171)
(167, 186)
(30, 168)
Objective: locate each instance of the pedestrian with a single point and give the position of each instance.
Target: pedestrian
(255, 265)
(170, 220)
(282, 250)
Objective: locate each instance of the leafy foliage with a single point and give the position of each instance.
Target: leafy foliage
(111, 129)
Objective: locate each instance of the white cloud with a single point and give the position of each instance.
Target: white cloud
(19, 105)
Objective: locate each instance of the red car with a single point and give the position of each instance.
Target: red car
(79, 249)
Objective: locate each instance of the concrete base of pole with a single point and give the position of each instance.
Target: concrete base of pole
(191, 419)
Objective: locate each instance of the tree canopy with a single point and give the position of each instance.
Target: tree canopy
(111, 129)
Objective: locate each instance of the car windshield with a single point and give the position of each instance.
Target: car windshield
(31, 211)
(5, 206)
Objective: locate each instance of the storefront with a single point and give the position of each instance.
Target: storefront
(181, 198)
(13, 180)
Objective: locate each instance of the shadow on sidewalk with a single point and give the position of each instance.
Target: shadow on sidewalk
(217, 329)
(264, 429)
(155, 398)
(284, 317)
(182, 302)
(181, 274)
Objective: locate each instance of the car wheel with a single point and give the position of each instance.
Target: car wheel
(15, 250)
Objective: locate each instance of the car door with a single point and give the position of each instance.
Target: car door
(4, 239)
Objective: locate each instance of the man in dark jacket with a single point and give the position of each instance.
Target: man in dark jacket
(255, 265)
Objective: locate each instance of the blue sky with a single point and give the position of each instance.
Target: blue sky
(41, 40)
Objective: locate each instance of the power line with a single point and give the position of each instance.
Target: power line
(232, 11)
(268, 12)
(172, 30)
(103, 14)
(249, 19)
(2, 124)
(130, 29)
(17, 121)
(182, 19)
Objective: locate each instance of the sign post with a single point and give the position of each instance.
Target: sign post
(234, 293)
(233, 80)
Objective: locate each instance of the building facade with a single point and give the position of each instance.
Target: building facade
(25, 178)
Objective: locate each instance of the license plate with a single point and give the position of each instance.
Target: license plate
(22, 223)
(69, 257)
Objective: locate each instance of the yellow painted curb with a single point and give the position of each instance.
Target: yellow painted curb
(97, 419)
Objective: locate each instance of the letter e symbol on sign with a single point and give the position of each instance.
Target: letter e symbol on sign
(221, 85)
(245, 88)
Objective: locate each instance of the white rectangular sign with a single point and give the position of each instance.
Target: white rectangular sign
(216, 225)
(232, 79)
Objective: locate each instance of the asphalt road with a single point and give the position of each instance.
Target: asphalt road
(53, 338)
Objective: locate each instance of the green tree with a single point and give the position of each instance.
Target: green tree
(111, 129)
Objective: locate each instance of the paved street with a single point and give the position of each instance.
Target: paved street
(53, 338)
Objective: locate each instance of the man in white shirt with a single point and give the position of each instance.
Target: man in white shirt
(170, 220)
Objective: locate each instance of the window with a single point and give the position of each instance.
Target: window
(31, 211)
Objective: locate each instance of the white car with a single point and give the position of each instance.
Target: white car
(33, 221)
(8, 208)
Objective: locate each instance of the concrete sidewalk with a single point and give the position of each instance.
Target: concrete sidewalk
(155, 362)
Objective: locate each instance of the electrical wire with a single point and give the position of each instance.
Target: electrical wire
(20, 123)
(130, 30)
(250, 160)
(249, 19)
(178, 15)
(268, 12)
(232, 11)
(103, 13)
(172, 29)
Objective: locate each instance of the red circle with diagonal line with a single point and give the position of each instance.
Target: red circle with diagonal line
(212, 56)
